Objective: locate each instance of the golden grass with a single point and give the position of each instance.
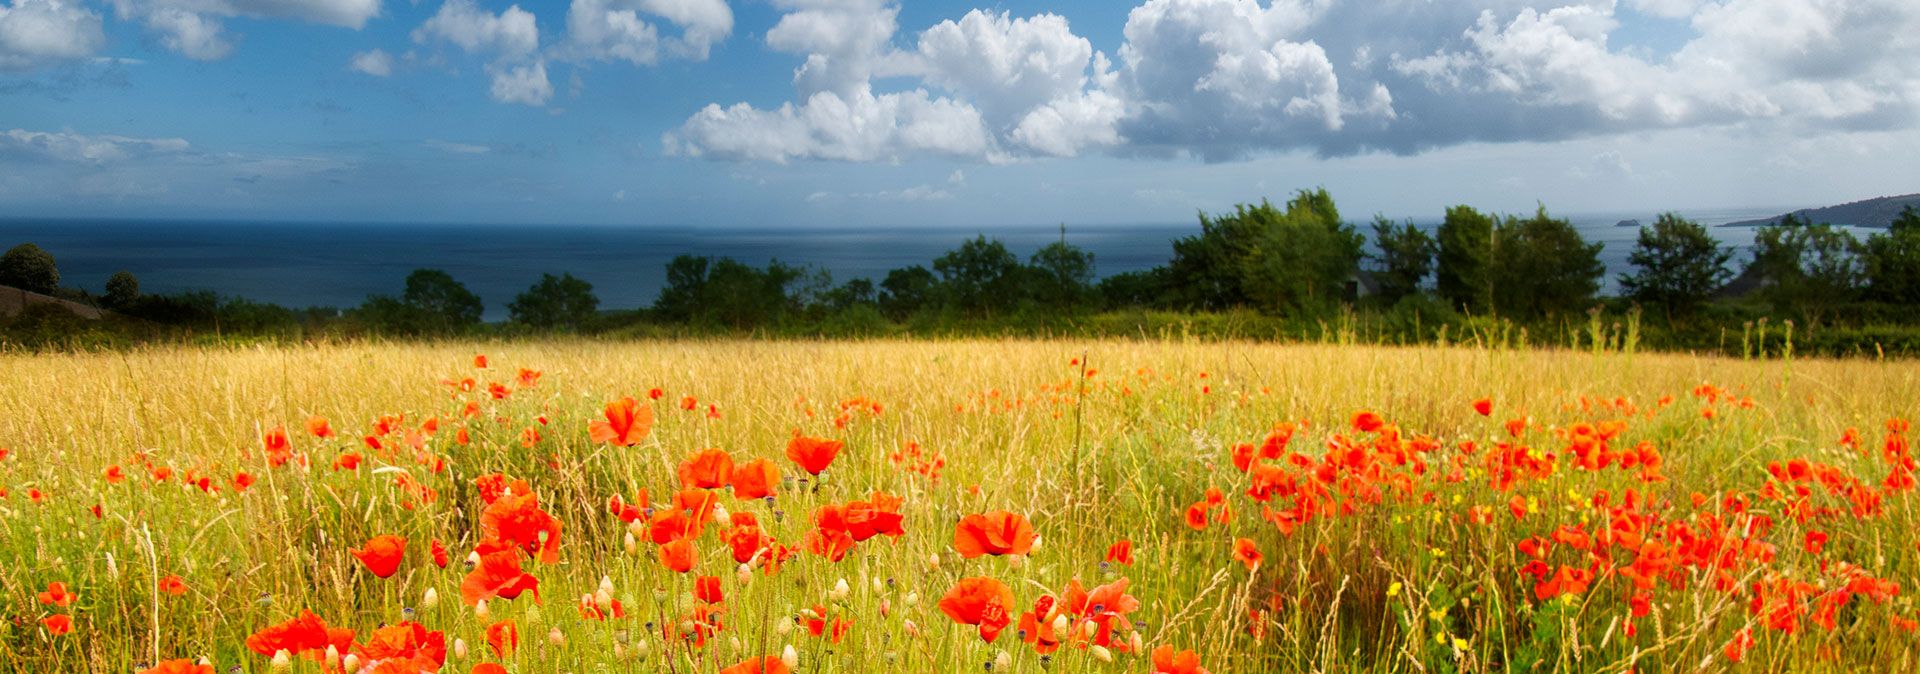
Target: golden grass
(1378, 589)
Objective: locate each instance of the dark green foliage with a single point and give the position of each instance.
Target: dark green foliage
(555, 303)
(1542, 267)
(122, 290)
(1803, 267)
(980, 278)
(1677, 264)
(1464, 269)
(29, 268)
(444, 304)
(1061, 277)
(1267, 258)
(726, 293)
(1892, 261)
(1134, 289)
(1405, 255)
(904, 292)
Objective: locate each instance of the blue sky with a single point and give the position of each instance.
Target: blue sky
(949, 113)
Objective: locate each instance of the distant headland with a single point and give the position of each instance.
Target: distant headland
(1878, 212)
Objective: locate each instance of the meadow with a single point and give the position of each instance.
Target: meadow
(1053, 506)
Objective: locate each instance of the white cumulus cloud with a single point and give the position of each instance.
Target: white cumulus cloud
(39, 32)
(376, 62)
(195, 28)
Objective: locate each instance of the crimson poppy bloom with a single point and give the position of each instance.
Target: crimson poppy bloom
(679, 555)
(180, 666)
(1167, 661)
(57, 595)
(628, 422)
(1246, 552)
(813, 454)
(57, 624)
(1121, 552)
(709, 469)
(760, 665)
(980, 601)
(504, 637)
(994, 533)
(1484, 406)
(497, 575)
(755, 479)
(382, 554)
(404, 647)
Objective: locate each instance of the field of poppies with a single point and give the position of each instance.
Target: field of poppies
(1028, 506)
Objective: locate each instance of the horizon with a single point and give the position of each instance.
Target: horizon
(879, 114)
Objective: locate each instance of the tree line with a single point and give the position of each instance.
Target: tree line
(1300, 260)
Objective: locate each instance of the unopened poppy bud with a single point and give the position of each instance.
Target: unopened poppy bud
(604, 598)
(687, 627)
(556, 637)
(480, 610)
(619, 651)
(430, 599)
(1037, 540)
(637, 528)
(783, 627)
(811, 614)
(333, 656)
(1016, 561)
(350, 663)
(840, 591)
(933, 560)
(878, 586)
(886, 608)
(641, 647)
(459, 649)
(281, 660)
(721, 515)
(745, 574)
(1101, 653)
(1002, 660)
(606, 584)
(632, 544)
(473, 559)
(1133, 642)
(734, 642)
(790, 657)
(1060, 625)
(913, 599)
(659, 596)
(911, 628)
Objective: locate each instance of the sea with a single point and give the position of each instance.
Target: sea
(303, 264)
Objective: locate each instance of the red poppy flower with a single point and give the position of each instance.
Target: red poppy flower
(382, 554)
(439, 553)
(58, 624)
(755, 479)
(994, 533)
(489, 668)
(628, 422)
(497, 575)
(1484, 406)
(760, 665)
(813, 454)
(707, 589)
(980, 601)
(1121, 552)
(515, 517)
(278, 449)
(115, 475)
(709, 469)
(57, 595)
(173, 585)
(405, 646)
(1246, 552)
(504, 637)
(318, 427)
(480, 361)
(679, 555)
(304, 633)
(1167, 661)
(180, 666)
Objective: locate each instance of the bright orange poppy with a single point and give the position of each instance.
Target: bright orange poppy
(813, 454)
(994, 533)
(980, 601)
(382, 554)
(628, 422)
(760, 665)
(755, 479)
(708, 469)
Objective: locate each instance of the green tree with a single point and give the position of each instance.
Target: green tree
(979, 278)
(1543, 267)
(1804, 267)
(680, 298)
(1063, 276)
(444, 304)
(1464, 270)
(556, 303)
(29, 268)
(1134, 289)
(1892, 261)
(1405, 254)
(122, 289)
(905, 292)
(1677, 265)
(1266, 257)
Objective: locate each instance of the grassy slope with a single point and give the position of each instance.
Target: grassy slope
(1002, 414)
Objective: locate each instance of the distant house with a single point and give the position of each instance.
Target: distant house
(1361, 284)
(14, 300)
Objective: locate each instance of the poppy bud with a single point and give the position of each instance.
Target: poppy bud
(350, 663)
(933, 560)
(1002, 660)
(636, 528)
(1060, 625)
(606, 585)
(430, 599)
(783, 627)
(790, 657)
(1016, 561)
(1101, 653)
(281, 660)
(632, 544)
(333, 656)
(1133, 642)
(734, 642)
(745, 574)
(1037, 540)
(886, 608)
(473, 559)
(480, 611)
(640, 648)
(721, 515)
(604, 598)
(556, 637)
(911, 629)
(619, 651)
(459, 649)
(840, 591)
(913, 599)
